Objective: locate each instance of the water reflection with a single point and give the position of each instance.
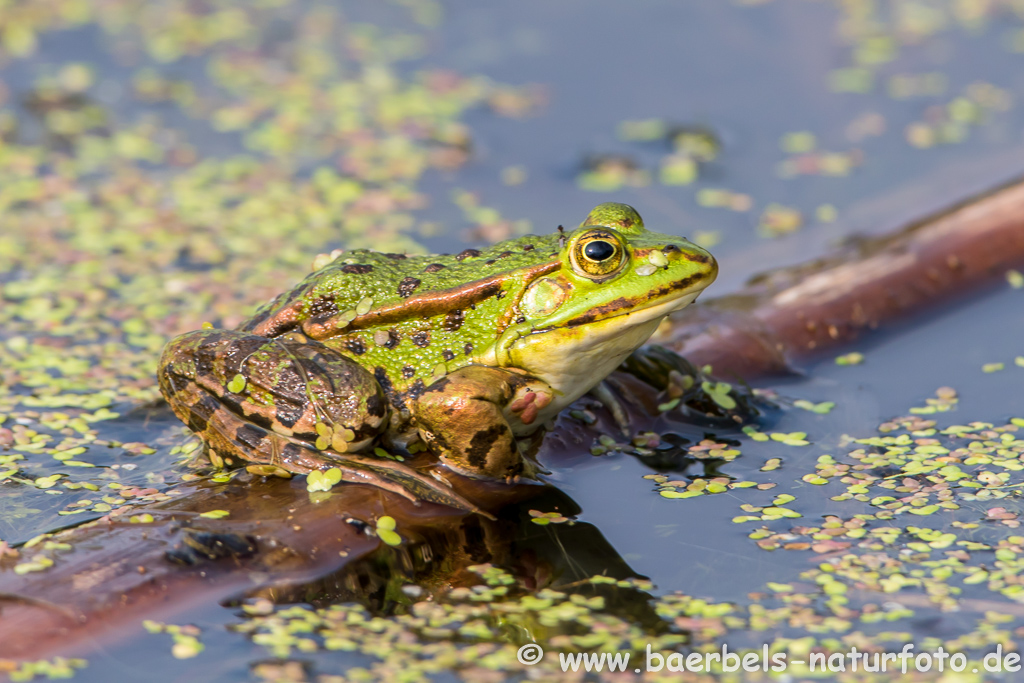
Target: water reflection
(437, 558)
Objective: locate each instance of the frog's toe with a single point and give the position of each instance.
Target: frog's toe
(528, 404)
(603, 393)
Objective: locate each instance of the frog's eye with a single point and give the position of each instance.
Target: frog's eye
(598, 254)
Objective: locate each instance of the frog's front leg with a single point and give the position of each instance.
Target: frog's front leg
(277, 401)
(471, 417)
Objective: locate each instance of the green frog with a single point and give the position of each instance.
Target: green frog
(462, 355)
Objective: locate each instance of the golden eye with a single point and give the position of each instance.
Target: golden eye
(598, 254)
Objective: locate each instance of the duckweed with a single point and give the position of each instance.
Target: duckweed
(122, 231)
(325, 480)
(870, 578)
(186, 643)
(386, 530)
(58, 667)
(823, 408)
(852, 358)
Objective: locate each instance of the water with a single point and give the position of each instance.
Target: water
(750, 74)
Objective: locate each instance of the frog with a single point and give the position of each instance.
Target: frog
(375, 355)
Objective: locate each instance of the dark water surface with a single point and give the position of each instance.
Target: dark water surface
(750, 73)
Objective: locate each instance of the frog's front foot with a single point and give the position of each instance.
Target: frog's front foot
(461, 416)
(528, 403)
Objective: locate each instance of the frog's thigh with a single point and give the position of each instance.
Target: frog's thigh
(270, 400)
(460, 416)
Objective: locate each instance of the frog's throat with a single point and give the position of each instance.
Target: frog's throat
(572, 360)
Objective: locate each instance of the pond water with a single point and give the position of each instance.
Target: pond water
(825, 120)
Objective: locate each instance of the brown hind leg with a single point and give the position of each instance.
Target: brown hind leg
(281, 402)
(290, 403)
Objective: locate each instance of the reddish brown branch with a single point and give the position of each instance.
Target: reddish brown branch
(800, 311)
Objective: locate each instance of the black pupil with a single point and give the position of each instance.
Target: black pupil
(599, 250)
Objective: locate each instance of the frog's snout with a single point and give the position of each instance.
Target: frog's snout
(698, 259)
(711, 266)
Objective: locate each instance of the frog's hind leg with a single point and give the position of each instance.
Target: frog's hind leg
(291, 403)
(271, 401)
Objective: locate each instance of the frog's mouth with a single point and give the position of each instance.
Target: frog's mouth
(610, 332)
(653, 311)
(656, 303)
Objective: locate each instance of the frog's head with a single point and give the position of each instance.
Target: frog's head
(616, 283)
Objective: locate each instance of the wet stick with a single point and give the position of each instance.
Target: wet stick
(801, 311)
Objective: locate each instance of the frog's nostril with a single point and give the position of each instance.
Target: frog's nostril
(669, 248)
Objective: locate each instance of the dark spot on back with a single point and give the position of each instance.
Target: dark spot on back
(500, 294)
(466, 253)
(447, 354)
(396, 257)
(408, 372)
(626, 222)
(356, 346)
(433, 268)
(453, 320)
(489, 263)
(520, 320)
(393, 339)
(257, 320)
(357, 268)
(322, 308)
(469, 348)
(416, 390)
(505, 254)
(529, 247)
(421, 338)
(407, 286)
